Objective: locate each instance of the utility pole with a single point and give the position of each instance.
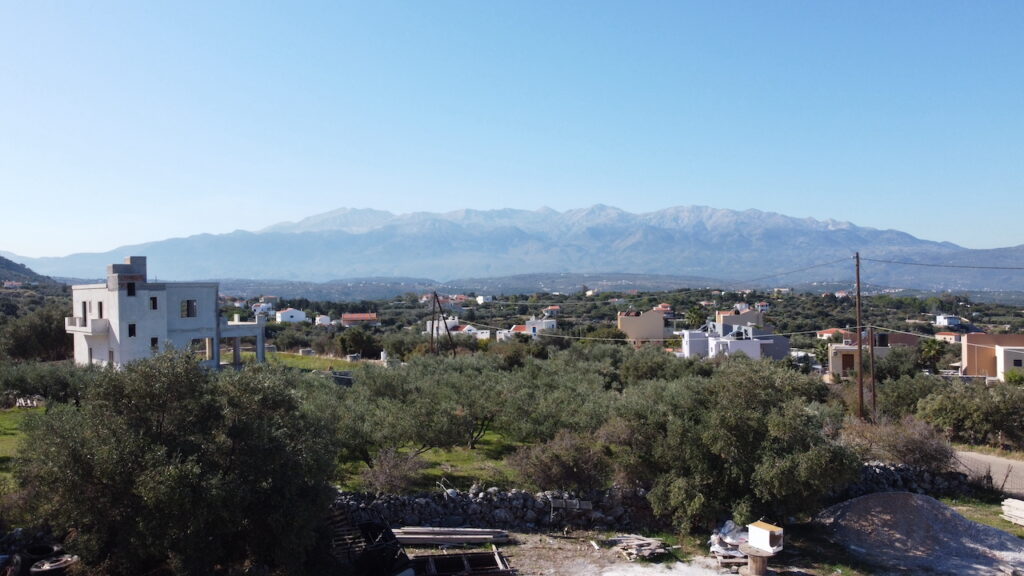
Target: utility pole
(860, 346)
(440, 313)
(871, 368)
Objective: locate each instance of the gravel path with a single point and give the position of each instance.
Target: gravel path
(1006, 473)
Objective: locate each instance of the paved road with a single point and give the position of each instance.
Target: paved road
(1006, 473)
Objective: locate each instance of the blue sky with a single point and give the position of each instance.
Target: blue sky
(125, 122)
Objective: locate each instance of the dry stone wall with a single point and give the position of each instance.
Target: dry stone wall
(512, 510)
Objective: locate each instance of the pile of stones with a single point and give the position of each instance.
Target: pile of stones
(881, 477)
(513, 509)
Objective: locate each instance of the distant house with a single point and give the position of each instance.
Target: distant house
(128, 318)
(484, 299)
(291, 315)
(12, 284)
(470, 330)
(951, 337)
(360, 319)
(550, 311)
(440, 327)
(842, 358)
(666, 309)
(991, 355)
(947, 320)
(845, 336)
(762, 306)
(264, 308)
(641, 327)
(323, 320)
(739, 317)
(533, 328)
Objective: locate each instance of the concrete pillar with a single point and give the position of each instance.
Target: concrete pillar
(236, 351)
(261, 353)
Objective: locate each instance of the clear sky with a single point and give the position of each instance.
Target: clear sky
(126, 122)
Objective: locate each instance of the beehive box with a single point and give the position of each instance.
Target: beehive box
(765, 536)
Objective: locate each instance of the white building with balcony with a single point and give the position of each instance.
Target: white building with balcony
(129, 318)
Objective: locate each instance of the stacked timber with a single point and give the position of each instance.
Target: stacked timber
(429, 536)
(632, 546)
(1013, 510)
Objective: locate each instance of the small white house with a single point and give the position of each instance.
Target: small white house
(291, 315)
(947, 320)
(323, 320)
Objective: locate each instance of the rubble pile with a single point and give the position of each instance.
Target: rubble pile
(918, 534)
(513, 509)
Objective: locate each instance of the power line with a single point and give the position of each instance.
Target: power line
(943, 265)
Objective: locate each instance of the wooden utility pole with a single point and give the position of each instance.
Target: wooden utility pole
(871, 368)
(860, 346)
(440, 313)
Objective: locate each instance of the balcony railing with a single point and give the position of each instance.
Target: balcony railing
(88, 326)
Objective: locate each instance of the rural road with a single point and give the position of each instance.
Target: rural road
(1006, 473)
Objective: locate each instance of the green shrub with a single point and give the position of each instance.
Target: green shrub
(166, 464)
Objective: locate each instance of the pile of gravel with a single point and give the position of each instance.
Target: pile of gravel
(915, 533)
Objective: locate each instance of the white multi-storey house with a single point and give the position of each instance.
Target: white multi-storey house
(129, 318)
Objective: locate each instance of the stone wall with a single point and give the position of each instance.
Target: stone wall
(880, 477)
(612, 510)
(512, 510)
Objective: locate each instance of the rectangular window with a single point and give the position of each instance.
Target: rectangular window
(99, 309)
(154, 343)
(110, 357)
(131, 330)
(188, 309)
(152, 302)
(90, 355)
(1017, 362)
(130, 288)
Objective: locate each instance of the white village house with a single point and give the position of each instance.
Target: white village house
(129, 318)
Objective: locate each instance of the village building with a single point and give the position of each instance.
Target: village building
(128, 318)
(991, 356)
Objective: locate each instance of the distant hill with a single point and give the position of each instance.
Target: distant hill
(10, 270)
(750, 247)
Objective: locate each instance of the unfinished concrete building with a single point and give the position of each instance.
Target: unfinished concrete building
(129, 318)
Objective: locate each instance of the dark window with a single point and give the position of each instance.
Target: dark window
(188, 309)
(131, 330)
(130, 288)
(99, 308)
(152, 302)
(154, 343)
(110, 357)
(1018, 362)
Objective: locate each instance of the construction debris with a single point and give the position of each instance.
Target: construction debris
(725, 543)
(1013, 510)
(632, 547)
(481, 563)
(425, 535)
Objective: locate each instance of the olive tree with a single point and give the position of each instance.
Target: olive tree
(166, 464)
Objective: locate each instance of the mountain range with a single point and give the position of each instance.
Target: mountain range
(750, 247)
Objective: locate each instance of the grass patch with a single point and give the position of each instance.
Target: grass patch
(457, 467)
(302, 362)
(984, 507)
(10, 436)
(460, 467)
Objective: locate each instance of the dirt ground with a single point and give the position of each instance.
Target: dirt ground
(550, 555)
